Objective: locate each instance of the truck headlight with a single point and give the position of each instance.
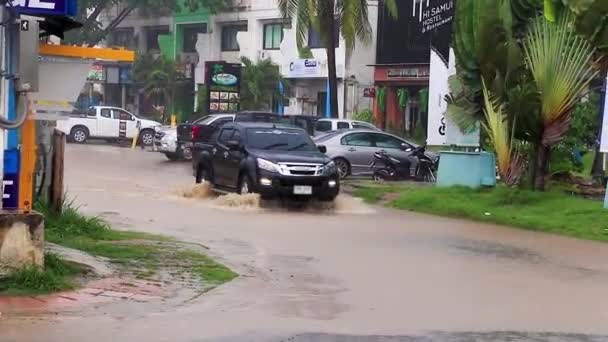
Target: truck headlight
(267, 165)
(329, 168)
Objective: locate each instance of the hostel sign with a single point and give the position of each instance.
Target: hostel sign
(433, 14)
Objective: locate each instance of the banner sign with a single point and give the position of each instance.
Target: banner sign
(46, 7)
(433, 14)
(604, 140)
(435, 18)
(223, 87)
(304, 68)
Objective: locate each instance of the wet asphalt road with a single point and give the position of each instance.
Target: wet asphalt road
(354, 273)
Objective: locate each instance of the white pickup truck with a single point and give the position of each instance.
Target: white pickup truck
(107, 123)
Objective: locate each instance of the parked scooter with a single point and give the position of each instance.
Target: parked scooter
(393, 169)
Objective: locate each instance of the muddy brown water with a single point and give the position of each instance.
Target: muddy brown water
(360, 273)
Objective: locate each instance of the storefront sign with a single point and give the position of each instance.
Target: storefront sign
(369, 92)
(304, 68)
(604, 141)
(46, 7)
(96, 73)
(223, 87)
(433, 14)
(407, 73)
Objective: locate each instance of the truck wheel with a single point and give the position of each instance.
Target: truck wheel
(79, 135)
(245, 185)
(172, 156)
(202, 175)
(147, 137)
(186, 153)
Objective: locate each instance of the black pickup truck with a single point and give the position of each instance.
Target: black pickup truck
(269, 159)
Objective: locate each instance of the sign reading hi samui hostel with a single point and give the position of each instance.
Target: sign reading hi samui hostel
(433, 14)
(46, 7)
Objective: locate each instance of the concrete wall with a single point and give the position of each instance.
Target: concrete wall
(21, 241)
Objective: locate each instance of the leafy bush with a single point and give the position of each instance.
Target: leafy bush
(366, 115)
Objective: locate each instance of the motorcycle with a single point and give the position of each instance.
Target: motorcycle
(394, 169)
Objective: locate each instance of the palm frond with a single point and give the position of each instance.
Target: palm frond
(561, 65)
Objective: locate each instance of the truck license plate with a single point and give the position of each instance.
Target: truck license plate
(302, 190)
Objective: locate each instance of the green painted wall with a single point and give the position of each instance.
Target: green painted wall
(171, 46)
(166, 42)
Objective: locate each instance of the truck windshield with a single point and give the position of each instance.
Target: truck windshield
(279, 139)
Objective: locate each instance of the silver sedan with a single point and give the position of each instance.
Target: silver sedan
(353, 150)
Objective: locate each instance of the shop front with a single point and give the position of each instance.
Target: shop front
(401, 95)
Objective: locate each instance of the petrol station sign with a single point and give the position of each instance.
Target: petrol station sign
(46, 7)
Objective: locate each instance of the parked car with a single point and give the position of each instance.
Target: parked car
(353, 150)
(327, 125)
(305, 122)
(269, 159)
(165, 142)
(107, 123)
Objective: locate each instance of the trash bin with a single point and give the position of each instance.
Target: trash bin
(472, 169)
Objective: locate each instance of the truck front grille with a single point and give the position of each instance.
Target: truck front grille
(300, 169)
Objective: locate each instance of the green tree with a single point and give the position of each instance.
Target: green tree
(260, 84)
(159, 78)
(535, 70)
(94, 32)
(349, 17)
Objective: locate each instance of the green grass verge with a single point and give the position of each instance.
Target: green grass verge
(553, 211)
(140, 253)
(56, 276)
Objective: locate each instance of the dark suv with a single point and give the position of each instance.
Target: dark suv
(269, 159)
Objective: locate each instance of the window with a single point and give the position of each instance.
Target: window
(358, 139)
(123, 37)
(343, 125)
(273, 36)
(152, 34)
(122, 115)
(221, 122)
(323, 126)
(387, 141)
(279, 139)
(225, 136)
(191, 33)
(236, 136)
(106, 113)
(229, 32)
(315, 40)
(92, 112)
(363, 125)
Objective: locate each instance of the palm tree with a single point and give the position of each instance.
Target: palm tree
(259, 84)
(561, 65)
(160, 78)
(349, 17)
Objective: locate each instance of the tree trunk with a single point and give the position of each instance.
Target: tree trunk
(533, 165)
(542, 163)
(331, 62)
(597, 171)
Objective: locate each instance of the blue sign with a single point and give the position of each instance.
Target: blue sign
(46, 7)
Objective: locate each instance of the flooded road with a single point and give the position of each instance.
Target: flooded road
(348, 273)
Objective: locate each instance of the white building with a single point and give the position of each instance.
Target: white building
(257, 30)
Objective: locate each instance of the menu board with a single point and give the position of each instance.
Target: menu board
(223, 87)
